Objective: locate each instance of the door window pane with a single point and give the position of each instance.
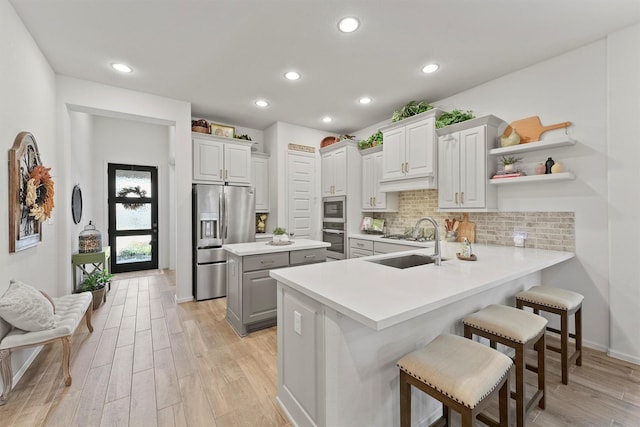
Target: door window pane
(133, 216)
(133, 249)
(133, 183)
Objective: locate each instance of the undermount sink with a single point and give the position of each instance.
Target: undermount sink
(404, 261)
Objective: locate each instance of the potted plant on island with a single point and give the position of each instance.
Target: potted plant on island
(96, 283)
(509, 163)
(280, 235)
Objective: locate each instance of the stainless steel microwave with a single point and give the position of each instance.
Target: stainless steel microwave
(334, 209)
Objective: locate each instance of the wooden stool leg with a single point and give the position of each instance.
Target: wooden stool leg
(578, 319)
(467, 419)
(505, 392)
(541, 379)
(520, 398)
(564, 346)
(446, 415)
(88, 315)
(405, 400)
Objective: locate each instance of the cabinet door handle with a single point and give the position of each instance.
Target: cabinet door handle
(361, 245)
(309, 256)
(462, 198)
(221, 176)
(402, 168)
(374, 201)
(456, 197)
(269, 261)
(406, 168)
(226, 174)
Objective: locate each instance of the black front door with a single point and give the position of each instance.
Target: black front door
(133, 217)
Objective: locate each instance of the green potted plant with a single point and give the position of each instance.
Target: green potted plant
(280, 235)
(509, 163)
(411, 108)
(96, 283)
(373, 141)
(453, 117)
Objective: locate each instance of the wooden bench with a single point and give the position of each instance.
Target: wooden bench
(69, 312)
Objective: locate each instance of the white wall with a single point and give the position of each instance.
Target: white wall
(28, 94)
(135, 143)
(623, 71)
(570, 87)
(82, 96)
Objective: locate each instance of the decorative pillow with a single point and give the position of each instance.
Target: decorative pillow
(26, 308)
(46, 295)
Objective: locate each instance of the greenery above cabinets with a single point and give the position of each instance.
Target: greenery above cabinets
(455, 116)
(410, 109)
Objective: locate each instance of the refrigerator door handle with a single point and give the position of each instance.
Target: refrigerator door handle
(220, 214)
(226, 214)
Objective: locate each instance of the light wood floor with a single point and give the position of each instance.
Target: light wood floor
(152, 362)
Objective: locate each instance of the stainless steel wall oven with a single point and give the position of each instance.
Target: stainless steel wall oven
(334, 226)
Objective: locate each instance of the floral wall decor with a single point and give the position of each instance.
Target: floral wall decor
(31, 191)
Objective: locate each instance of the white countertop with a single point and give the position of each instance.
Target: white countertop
(380, 296)
(379, 238)
(258, 248)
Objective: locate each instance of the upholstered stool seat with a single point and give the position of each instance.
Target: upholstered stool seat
(516, 329)
(563, 303)
(461, 374)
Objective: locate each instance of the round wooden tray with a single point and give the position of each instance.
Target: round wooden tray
(328, 141)
(473, 257)
(272, 243)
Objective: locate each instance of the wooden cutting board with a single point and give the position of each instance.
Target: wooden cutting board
(466, 229)
(531, 128)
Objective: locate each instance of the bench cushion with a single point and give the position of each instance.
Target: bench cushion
(69, 312)
(26, 308)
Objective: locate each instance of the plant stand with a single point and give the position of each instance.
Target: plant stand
(88, 263)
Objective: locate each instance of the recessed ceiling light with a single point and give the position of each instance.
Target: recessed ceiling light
(262, 103)
(327, 119)
(123, 68)
(430, 68)
(348, 24)
(365, 100)
(292, 75)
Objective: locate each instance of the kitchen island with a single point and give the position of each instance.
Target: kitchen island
(344, 325)
(251, 293)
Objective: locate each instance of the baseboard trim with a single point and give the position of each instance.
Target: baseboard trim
(27, 363)
(623, 356)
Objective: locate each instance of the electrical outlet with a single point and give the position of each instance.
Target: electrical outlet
(297, 322)
(518, 238)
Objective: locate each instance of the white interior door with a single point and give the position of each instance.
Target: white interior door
(301, 169)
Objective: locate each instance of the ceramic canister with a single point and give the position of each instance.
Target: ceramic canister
(557, 168)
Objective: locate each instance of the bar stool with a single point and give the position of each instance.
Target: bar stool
(463, 375)
(563, 303)
(517, 329)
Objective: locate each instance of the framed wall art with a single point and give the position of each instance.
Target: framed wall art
(222, 130)
(31, 193)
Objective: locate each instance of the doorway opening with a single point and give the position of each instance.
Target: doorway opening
(133, 217)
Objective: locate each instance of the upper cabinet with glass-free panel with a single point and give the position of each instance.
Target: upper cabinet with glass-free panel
(220, 160)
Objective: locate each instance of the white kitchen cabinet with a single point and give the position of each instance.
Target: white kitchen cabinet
(464, 169)
(334, 173)
(359, 248)
(341, 170)
(219, 160)
(410, 159)
(372, 198)
(260, 178)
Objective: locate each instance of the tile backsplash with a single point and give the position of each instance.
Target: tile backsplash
(545, 230)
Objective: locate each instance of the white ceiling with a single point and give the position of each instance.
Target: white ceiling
(223, 55)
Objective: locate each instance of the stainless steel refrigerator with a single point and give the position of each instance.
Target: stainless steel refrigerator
(221, 214)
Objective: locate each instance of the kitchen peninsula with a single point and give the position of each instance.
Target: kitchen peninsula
(251, 293)
(342, 326)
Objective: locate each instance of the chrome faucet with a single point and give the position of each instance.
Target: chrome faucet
(437, 256)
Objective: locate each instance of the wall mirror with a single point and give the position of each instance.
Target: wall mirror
(76, 204)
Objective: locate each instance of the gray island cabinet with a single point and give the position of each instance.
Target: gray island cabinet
(251, 292)
(342, 326)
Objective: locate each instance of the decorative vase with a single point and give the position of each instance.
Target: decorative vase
(510, 168)
(548, 165)
(512, 139)
(98, 297)
(540, 169)
(557, 168)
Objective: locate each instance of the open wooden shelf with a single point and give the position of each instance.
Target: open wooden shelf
(533, 146)
(564, 176)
